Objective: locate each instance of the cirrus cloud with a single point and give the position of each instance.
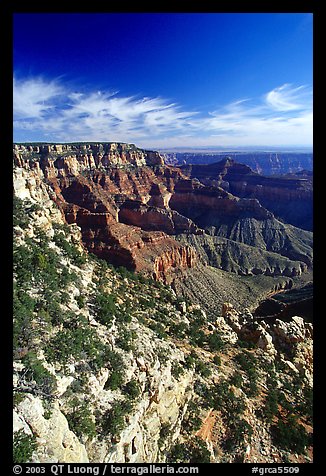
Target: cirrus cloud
(52, 112)
(288, 98)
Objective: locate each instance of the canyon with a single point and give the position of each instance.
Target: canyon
(137, 212)
(135, 290)
(276, 162)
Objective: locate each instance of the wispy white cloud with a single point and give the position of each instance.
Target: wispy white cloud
(49, 109)
(34, 97)
(288, 98)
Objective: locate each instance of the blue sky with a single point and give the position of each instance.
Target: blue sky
(164, 79)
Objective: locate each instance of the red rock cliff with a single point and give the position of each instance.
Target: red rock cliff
(90, 189)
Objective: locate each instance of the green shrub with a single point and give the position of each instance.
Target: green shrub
(23, 447)
(80, 419)
(19, 213)
(178, 330)
(191, 452)
(114, 381)
(80, 384)
(191, 422)
(271, 405)
(113, 358)
(176, 370)
(132, 389)
(203, 369)
(37, 372)
(244, 344)
(290, 435)
(39, 261)
(124, 316)
(248, 363)
(146, 303)
(81, 301)
(236, 380)
(197, 336)
(69, 249)
(165, 431)
(207, 395)
(113, 421)
(191, 360)
(306, 407)
(18, 397)
(215, 342)
(199, 452)
(234, 406)
(64, 297)
(159, 329)
(23, 331)
(221, 397)
(80, 342)
(61, 227)
(163, 356)
(251, 389)
(22, 264)
(51, 306)
(239, 431)
(125, 339)
(105, 307)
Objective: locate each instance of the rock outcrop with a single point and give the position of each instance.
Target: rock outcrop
(151, 218)
(71, 158)
(295, 336)
(56, 442)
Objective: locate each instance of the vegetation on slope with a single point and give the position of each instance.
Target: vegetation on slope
(68, 326)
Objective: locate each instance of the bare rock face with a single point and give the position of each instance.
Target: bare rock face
(59, 443)
(287, 197)
(208, 205)
(127, 203)
(276, 336)
(97, 201)
(292, 332)
(154, 218)
(172, 260)
(265, 342)
(70, 158)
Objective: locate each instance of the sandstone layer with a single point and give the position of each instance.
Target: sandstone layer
(130, 208)
(289, 197)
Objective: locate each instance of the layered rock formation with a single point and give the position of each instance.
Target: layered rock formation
(78, 157)
(127, 203)
(241, 258)
(289, 197)
(90, 190)
(265, 163)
